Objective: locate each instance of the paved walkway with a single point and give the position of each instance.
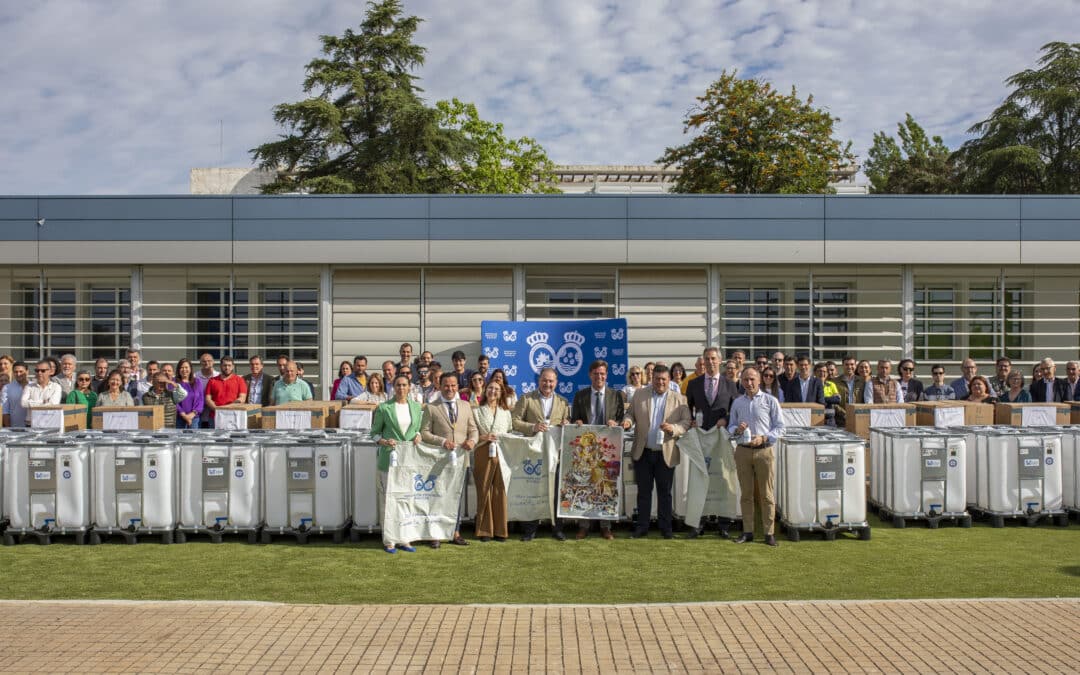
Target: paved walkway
(860, 636)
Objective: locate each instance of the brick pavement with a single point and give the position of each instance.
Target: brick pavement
(851, 636)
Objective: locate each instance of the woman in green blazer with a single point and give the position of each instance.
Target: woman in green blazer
(396, 420)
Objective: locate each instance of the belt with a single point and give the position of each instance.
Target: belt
(654, 449)
(752, 447)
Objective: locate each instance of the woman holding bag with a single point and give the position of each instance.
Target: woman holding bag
(395, 421)
(492, 418)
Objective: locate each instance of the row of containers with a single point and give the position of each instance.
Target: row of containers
(266, 483)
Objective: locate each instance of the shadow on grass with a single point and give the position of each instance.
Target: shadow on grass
(1071, 570)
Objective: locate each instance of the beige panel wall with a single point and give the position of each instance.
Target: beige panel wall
(374, 310)
(665, 311)
(456, 301)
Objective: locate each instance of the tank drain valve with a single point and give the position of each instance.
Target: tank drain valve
(133, 524)
(305, 524)
(935, 510)
(219, 523)
(829, 524)
(1031, 508)
(47, 526)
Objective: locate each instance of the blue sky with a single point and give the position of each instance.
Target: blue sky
(124, 97)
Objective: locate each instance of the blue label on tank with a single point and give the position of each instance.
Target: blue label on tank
(1049, 461)
(151, 474)
(67, 474)
(953, 463)
(239, 473)
(324, 473)
(851, 471)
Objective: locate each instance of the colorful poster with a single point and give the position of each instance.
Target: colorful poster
(522, 348)
(590, 472)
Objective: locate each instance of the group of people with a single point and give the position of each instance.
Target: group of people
(189, 395)
(467, 409)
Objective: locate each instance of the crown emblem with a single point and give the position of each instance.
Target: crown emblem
(574, 337)
(539, 337)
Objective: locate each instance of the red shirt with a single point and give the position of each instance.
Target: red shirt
(225, 391)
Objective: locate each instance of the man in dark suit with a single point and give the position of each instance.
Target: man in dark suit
(710, 395)
(1072, 382)
(259, 383)
(601, 406)
(804, 387)
(1047, 388)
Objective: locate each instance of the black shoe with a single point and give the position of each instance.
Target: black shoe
(693, 534)
(639, 534)
(771, 540)
(459, 541)
(501, 540)
(528, 536)
(436, 544)
(558, 534)
(485, 539)
(746, 538)
(668, 535)
(723, 534)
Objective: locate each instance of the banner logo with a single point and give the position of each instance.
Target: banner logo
(618, 333)
(511, 371)
(509, 335)
(566, 387)
(533, 468)
(570, 358)
(618, 369)
(541, 354)
(527, 387)
(491, 352)
(421, 485)
(600, 352)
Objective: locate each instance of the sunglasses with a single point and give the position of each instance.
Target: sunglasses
(907, 370)
(41, 370)
(768, 376)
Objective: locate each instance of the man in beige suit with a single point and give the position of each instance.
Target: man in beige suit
(659, 417)
(448, 422)
(535, 413)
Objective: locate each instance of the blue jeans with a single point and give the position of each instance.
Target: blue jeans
(181, 424)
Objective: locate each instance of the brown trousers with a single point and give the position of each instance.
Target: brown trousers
(491, 506)
(756, 468)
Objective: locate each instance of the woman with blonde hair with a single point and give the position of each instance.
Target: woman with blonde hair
(492, 417)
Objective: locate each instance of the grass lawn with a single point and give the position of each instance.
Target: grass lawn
(911, 563)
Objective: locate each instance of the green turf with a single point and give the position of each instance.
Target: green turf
(915, 562)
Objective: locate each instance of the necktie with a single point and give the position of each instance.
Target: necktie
(711, 393)
(451, 410)
(598, 410)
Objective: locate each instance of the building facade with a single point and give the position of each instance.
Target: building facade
(324, 278)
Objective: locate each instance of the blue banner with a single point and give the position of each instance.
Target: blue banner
(523, 348)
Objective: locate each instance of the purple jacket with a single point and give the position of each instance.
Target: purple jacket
(195, 400)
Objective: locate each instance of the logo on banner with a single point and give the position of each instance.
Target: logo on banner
(541, 354)
(566, 387)
(490, 336)
(527, 387)
(421, 485)
(511, 371)
(533, 468)
(509, 335)
(600, 335)
(618, 333)
(617, 352)
(600, 352)
(618, 369)
(491, 352)
(570, 358)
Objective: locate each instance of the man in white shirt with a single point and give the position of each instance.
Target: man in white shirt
(133, 356)
(756, 422)
(42, 391)
(11, 397)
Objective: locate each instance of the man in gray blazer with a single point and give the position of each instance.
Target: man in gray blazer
(536, 413)
(449, 423)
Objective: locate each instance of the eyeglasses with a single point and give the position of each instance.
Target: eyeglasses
(767, 376)
(907, 369)
(41, 370)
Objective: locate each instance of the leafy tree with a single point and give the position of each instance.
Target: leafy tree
(494, 164)
(917, 164)
(1031, 142)
(752, 139)
(365, 128)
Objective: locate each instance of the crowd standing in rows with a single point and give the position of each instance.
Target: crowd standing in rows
(467, 409)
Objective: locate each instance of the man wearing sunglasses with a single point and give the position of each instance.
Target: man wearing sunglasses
(42, 391)
(912, 388)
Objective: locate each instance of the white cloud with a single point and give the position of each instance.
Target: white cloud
(126, 97)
